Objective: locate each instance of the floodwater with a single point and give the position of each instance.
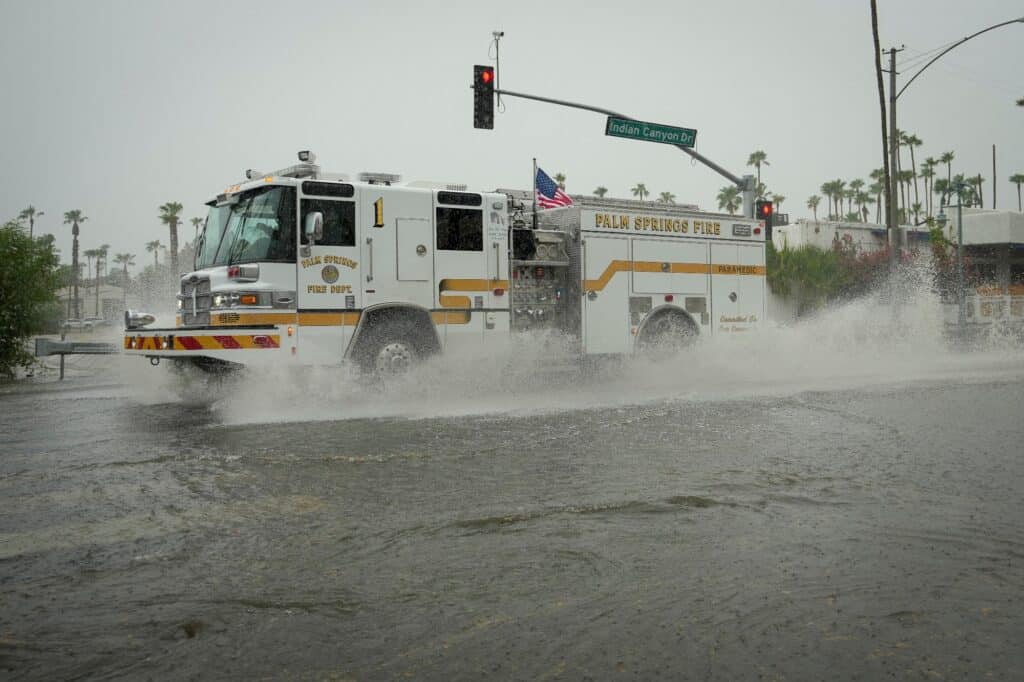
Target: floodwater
(836, 500)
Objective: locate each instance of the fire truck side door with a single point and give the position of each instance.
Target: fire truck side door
(460, 270)
(605, 295)
(737, 287)
(329, 287)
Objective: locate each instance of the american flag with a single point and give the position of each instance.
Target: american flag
(549, 194)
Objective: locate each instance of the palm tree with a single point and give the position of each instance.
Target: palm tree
(856, 185)
(1018, 179)
(30, 214)
(74, 218)
(947, 158)
(777, 199)
(154, 248)
(812, 203)
(913, 141)
(640, 190)
(169, 216)
(196, 222)
(863, 199)
(89, 255)
(928, 172)
(758, 159)
(124, 260)
(829, 191)
(104, 252)
(560, 179)
(963, 189)
(101, 263)
(916, 208)
(904, 177)
(599, 192)
(666, 198)
(877, 189)
(942, 188)
(976, 182)
(729, 198)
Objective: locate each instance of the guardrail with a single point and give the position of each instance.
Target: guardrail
(46, 347)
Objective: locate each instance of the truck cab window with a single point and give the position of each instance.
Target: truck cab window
(339, 221)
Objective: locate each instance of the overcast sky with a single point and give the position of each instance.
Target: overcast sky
(116, 107)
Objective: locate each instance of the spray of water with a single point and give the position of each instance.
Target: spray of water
(894, 337)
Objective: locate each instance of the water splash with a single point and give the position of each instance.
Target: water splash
(869, 342)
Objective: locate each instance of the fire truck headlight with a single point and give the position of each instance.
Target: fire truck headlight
(218, 300)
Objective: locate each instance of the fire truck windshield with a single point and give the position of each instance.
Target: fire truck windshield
(259, 226)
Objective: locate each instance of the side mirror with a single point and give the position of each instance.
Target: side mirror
(314, 227)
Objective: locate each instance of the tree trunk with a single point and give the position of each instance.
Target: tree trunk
(74, 265)
(174, 247)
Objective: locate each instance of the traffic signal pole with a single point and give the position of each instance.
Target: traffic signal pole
(745, 184)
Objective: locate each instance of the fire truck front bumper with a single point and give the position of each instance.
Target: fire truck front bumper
(235, 345)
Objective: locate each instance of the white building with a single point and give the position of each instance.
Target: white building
(824, 233)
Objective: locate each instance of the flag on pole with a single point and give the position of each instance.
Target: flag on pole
(548, 193)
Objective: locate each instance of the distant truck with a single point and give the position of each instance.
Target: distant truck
(993, 249)
(306, 267)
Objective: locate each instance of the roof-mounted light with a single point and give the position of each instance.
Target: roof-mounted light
(380, 178)
(306, 156)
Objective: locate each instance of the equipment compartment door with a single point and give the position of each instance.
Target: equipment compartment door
(737, 287)
(605, 295)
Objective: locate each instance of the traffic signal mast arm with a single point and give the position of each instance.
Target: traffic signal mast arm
(745, 184)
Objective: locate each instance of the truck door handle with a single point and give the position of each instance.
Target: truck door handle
(369, 244)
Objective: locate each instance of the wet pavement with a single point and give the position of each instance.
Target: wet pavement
(847, 525)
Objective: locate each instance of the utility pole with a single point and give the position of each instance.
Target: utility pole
(894, 146)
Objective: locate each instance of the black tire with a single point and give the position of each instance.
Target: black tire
(667, 332)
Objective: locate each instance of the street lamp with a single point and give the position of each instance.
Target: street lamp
(894, 143)
(961, 320)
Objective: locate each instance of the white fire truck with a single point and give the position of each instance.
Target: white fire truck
(302, 266)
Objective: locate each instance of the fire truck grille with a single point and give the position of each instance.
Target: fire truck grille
(200, 313)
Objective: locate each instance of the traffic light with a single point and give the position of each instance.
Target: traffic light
(764, 210)
(483, 97)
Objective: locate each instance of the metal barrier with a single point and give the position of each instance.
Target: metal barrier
(46, 347)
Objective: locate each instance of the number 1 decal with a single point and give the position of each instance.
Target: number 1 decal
(378, 213)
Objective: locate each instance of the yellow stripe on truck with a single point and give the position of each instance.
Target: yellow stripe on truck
(617, 266)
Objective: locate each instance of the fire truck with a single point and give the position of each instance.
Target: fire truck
(313, 268)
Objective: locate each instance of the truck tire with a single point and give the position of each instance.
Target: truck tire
(669, 330)
(391, 341)
(392, 356)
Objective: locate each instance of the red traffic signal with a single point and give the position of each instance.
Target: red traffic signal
(764, 210)
(483, 96)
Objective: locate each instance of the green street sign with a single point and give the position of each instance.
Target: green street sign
(649, 132)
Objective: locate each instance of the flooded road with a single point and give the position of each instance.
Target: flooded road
(753, 512)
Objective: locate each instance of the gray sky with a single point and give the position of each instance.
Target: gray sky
(116, 107)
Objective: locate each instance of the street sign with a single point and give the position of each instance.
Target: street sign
(649, 132)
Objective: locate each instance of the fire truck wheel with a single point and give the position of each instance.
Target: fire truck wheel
(393, 357)
(667, 331)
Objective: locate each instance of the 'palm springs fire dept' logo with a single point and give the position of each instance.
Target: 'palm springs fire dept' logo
(330, 274)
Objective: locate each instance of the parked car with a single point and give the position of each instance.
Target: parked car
(93, 322)
(73, 325)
